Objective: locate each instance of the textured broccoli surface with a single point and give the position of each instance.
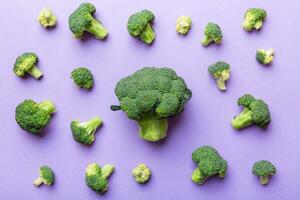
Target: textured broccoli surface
(183, 25)
(83, 77)
(265, 57)
(84, 132)
(255, 111)
(254, 18)
(221, 72)
(263, 169)
(47, 18)
(139, 25)
(26, 64)
(141, 173)
(212, 33)
(46, 176)
(82, 20)
(96, 177)
(151, 96)
(34, 117)
(210, 163)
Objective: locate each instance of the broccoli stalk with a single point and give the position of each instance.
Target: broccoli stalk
(197, 177)
(47, 106)
(97, 29)
(147, 35)
(243, 120)
(46, 176)
(152, 128)
(107, 170)
(35, 72)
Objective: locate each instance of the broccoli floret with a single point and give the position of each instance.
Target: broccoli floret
(263, 169)
(221, 72)
(183, 25)
(255, 112)
(212, 33)
(151, 96)
(83, 77)
(210, 163)
(96, 177)
(141, 173)
(139, 25)
(82, 20)
(83, 132)
(254, 18)
(26, 64)
(46, 176)
(265, 57)
(47, 18)
(34, 117)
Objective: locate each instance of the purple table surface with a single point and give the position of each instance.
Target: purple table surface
(206, 120)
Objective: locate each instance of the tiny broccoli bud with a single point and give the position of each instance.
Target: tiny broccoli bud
(141, 173)
(46, 176)
(254, 18)
(83, 77)
(263, 169)
(183, 25)
(221, 72)
(47, 18)
(265, 57)
(212, 33)
(26, 64)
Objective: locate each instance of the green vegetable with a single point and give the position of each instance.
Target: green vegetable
(210, 163)
(212, 33)
(82, 20)
(47, 18)
(183, 25)
(83, 132)
(265, 57)
(151, 96)
(34, 117)
(255, 111)
(141, 173)
(96, 177)
(83, 77)
(139, 25)
(26, 64)
(221, 72)
(254, 18)
(263, 169)
(46, 176)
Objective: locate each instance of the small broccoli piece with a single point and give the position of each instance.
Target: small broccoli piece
(254, 18)
(83, 77)
(221, 72)
(212, 33)
(82, 20)
(26, 63)
(210, 163)
(83, 132)
(141, 173)
(151, 96)
(47, 18)
(255, 112)
(46, 176)
(139, 25)
(183, 25)
(34, 117)
(265, 57)
(96, 177)
(263, 169)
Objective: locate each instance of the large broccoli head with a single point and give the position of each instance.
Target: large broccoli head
(33, 117)
(151, 96)
(210, 163)
(254, 18)
(26, 64)
(139, 25)
(83, 77)
(263, 169)
(46, 176)
(212, 33)
(221, 72)
(265, 57)
(255, 111)
(82, 20)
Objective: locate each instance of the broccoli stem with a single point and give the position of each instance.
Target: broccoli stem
(147, 35)
(107, 170)
(197, 177)
(243, 120)
(258, 25)
(153, 129)
(206, 40)
(37, 182)
(221, 83)
(48, 106)
(97, 29)
(35, 72)
(264, 180)
(92, 125)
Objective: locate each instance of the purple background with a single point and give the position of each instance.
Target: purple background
(206, 119)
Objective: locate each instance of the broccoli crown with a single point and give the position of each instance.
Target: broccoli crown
(47, 18)
(212, 33)
(265, 57)
(83, 132)
(204, 152)
(83, 77)
(26, 63)
(253, 19)
(245, 100)
(221, 72)
(82, 20)
(141, 173)
(183, 25)
(46, 176)
(33, 117)
(263, 168)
